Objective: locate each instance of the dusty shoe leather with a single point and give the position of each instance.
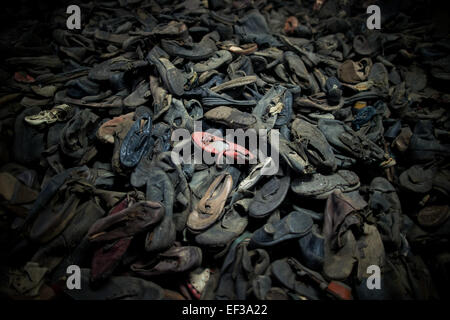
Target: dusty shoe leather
(210, 206)
(130, 221)
(269, 196)
(320, 186)
(354, 72)
(233, 118)
(316, 147)
(174, 260)
(294, 225)
(137, 142)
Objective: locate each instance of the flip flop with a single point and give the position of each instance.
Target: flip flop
(220, 146)
(269, 196)
(210, 207)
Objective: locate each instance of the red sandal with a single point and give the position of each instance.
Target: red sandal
(217, 145)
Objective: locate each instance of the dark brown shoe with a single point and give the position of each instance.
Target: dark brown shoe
(130, 221)
(174, 260)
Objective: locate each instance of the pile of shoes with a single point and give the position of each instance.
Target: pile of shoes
(358, 207)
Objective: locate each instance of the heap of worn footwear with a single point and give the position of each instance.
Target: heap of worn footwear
(358, 208)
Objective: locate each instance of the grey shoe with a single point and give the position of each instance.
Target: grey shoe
(318, 186)
(350, 143)
(314, 143)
